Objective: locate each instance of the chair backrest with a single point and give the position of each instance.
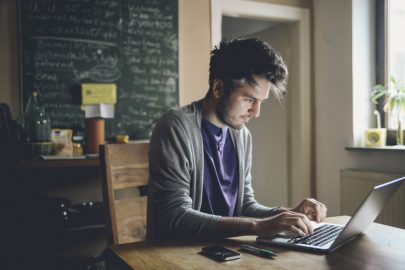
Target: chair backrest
(126, 175)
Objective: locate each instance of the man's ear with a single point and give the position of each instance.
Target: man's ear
(217, 88)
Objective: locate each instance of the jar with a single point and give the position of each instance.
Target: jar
(77, 149)
(36, 122)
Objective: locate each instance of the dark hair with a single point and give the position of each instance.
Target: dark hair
(236, 61)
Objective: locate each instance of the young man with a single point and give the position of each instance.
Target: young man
(200, 155)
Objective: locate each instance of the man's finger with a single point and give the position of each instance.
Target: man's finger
(324, 211)
(297, 230)
(318, 212)
(304, 224)
(308, 225)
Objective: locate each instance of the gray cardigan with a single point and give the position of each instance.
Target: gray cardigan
(176, 163)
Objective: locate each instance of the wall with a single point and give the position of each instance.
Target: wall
(9, 66)
(333, 77)
(233, 27)
(294, 3)
(194, 49)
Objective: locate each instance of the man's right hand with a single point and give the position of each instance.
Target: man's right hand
(285, 221)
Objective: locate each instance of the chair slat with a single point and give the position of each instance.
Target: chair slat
(129, 177)
(131, 214)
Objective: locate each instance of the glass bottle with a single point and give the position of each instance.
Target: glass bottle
(37, 124)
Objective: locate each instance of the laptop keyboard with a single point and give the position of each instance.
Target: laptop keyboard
(322, 235)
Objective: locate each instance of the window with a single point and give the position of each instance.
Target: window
(396, 39)
(396, 45)
(390, 47)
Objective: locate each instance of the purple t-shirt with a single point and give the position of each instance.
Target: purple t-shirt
(221, 175)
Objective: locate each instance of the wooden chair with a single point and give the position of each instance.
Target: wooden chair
(125, 169)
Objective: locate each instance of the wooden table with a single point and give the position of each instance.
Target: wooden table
(381, 247)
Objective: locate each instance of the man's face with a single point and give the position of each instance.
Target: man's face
(243, 103)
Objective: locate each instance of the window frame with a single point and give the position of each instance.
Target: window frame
(382, 53)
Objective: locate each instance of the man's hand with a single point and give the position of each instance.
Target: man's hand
(299, 220)
(285, 221)
(311, 208)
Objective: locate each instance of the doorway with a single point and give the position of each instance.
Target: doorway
(281, 135)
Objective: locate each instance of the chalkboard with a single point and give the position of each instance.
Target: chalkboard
(132, 43)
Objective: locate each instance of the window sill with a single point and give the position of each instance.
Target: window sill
(389, 148)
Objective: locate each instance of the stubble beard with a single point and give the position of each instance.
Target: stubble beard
(222, 112)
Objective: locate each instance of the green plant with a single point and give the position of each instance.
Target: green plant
(394, 93)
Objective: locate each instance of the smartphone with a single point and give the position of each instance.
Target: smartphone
(219, 253)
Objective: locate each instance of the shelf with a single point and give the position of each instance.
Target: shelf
(87, 227)
(389, 148)
(58, 163)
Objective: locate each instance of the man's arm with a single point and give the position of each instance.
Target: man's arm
(285, 221)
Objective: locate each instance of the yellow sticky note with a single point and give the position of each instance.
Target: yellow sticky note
(97, 93)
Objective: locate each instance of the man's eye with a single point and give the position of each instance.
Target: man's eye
(251, 100)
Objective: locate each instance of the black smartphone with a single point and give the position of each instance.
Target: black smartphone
(219, 253)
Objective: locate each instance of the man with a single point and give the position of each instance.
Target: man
(200, 155)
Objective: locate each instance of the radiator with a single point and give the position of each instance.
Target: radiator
(356, 184)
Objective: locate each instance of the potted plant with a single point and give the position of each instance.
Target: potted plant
(394, 93)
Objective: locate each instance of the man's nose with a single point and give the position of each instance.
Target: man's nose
(255, 109)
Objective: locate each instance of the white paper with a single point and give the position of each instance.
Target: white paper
(102, 110)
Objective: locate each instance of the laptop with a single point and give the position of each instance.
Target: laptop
(328, 237)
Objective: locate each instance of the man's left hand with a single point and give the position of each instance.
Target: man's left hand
(313, 209)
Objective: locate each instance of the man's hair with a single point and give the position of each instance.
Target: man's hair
(236, 61)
